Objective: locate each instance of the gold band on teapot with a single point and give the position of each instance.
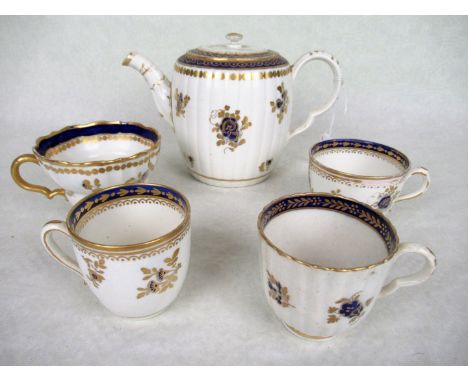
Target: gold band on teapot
(233, 76)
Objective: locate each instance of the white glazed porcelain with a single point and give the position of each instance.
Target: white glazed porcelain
(230, 106)
(85, 158)
(370, 172)
(325, 259)
(131, 245)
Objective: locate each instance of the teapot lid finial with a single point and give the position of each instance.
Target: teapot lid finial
(234, 38)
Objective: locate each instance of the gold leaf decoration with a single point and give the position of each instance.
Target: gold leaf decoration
(95, 271)
(94, 186)
(181, 103)
(160, 279)
(265, 166)
(278, 292)
(103, 198)
(370, 219)
(280, 105)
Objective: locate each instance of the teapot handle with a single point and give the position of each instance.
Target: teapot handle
(337, 80)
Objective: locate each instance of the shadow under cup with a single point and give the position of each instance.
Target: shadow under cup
(322, 255)
(131, 244)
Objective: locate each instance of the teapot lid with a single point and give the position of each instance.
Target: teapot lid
(232, 55)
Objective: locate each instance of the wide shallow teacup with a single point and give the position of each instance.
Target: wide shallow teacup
(131, 244)
(85, 158)
(369, 172)
(324, 261)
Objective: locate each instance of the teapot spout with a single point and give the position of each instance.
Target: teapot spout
(159, 85)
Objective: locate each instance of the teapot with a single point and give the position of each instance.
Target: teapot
(230, 107)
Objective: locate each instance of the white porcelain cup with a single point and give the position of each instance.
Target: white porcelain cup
(131, 245)
(325, 259)
(369, 172)
(85, 158)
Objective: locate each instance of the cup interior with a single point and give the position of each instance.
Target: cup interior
(360, 158)
(104, 141)
(128, 215)
(328, 231)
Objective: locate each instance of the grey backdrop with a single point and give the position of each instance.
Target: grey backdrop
(407, 85)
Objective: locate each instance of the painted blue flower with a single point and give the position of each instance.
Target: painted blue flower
(279, 103)
(230, 129)
(384, 202)
(351, 309)
(278, 292)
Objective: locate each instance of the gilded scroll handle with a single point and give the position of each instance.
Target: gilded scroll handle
(19, 180)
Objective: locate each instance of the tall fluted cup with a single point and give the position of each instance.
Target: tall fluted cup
(325, 259)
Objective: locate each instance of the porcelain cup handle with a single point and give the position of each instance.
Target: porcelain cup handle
(337, 80)
(421, 171)
(422, 275)
(54, 250)
(19, 180)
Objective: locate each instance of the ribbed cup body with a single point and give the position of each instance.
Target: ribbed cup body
(324, 260)
(316, 296)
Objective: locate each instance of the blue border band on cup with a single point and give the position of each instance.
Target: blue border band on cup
(48, 142)
(350, 207)
(364, 145)
(126, 191)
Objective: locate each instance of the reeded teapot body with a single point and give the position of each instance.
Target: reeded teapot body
(230, 106)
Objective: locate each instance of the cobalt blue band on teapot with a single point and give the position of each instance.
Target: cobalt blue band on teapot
(202, 58)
